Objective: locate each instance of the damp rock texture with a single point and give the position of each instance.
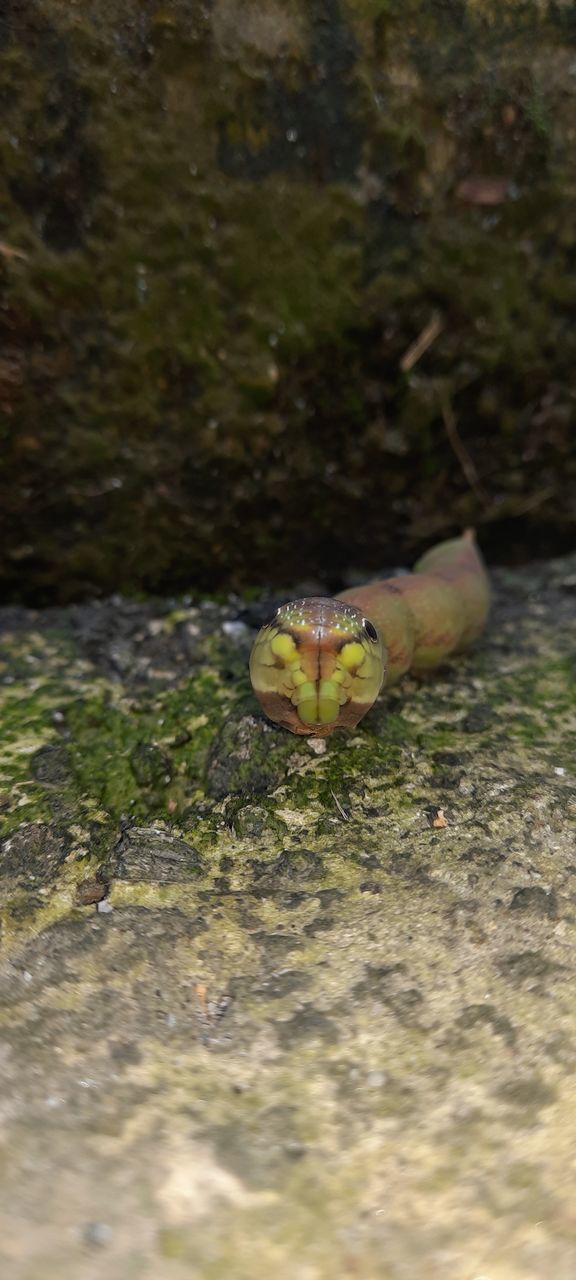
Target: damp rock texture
(269, 1008)
(283, 283)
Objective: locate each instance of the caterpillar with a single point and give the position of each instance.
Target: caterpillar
(320, 663)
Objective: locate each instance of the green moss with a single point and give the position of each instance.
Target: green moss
(118, 752)
(183, 748)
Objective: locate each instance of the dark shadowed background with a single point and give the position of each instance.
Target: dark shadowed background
(288, 288)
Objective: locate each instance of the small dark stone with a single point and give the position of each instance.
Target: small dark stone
(535, 901)
(146, 853)
(527, 964)
(251, 821)
(51, 766)
(125, 1053)
(150, 766)
(308, 1023)
(291, 901)
(329, 897)
(321, 924)
(33, 853)
(486, 1015)
(446, 781)
(295, 1150)
(91, 890)
(247, 758)
(368, 860)
(529, 1094)
(479, 718)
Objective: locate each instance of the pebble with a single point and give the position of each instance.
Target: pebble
(98, 1234)
(235, 630)
(89, 891)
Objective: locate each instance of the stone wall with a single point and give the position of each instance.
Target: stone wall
(224, 227)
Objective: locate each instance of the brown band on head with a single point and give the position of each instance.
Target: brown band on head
(280, 710)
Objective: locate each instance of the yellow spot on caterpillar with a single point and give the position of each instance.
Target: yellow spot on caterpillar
(308, 711)
(283, 647)
(328, 702)
(352, 655)
(318, 706)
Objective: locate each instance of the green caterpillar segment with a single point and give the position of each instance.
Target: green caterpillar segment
(319, 664)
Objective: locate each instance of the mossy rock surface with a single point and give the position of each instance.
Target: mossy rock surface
(222, 229)
(270, 1005)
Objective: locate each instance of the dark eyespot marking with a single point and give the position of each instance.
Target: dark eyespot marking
(370, 629)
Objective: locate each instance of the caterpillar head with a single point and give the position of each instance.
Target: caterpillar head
(317, 666)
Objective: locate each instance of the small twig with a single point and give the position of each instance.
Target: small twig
(532, 502)
(468, 468)
(341, 811)
(424, 340)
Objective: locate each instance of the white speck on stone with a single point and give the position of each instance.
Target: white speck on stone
(235, 630)
(559, 771)
(317, 745)
(104, 908)
(375, 1079)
